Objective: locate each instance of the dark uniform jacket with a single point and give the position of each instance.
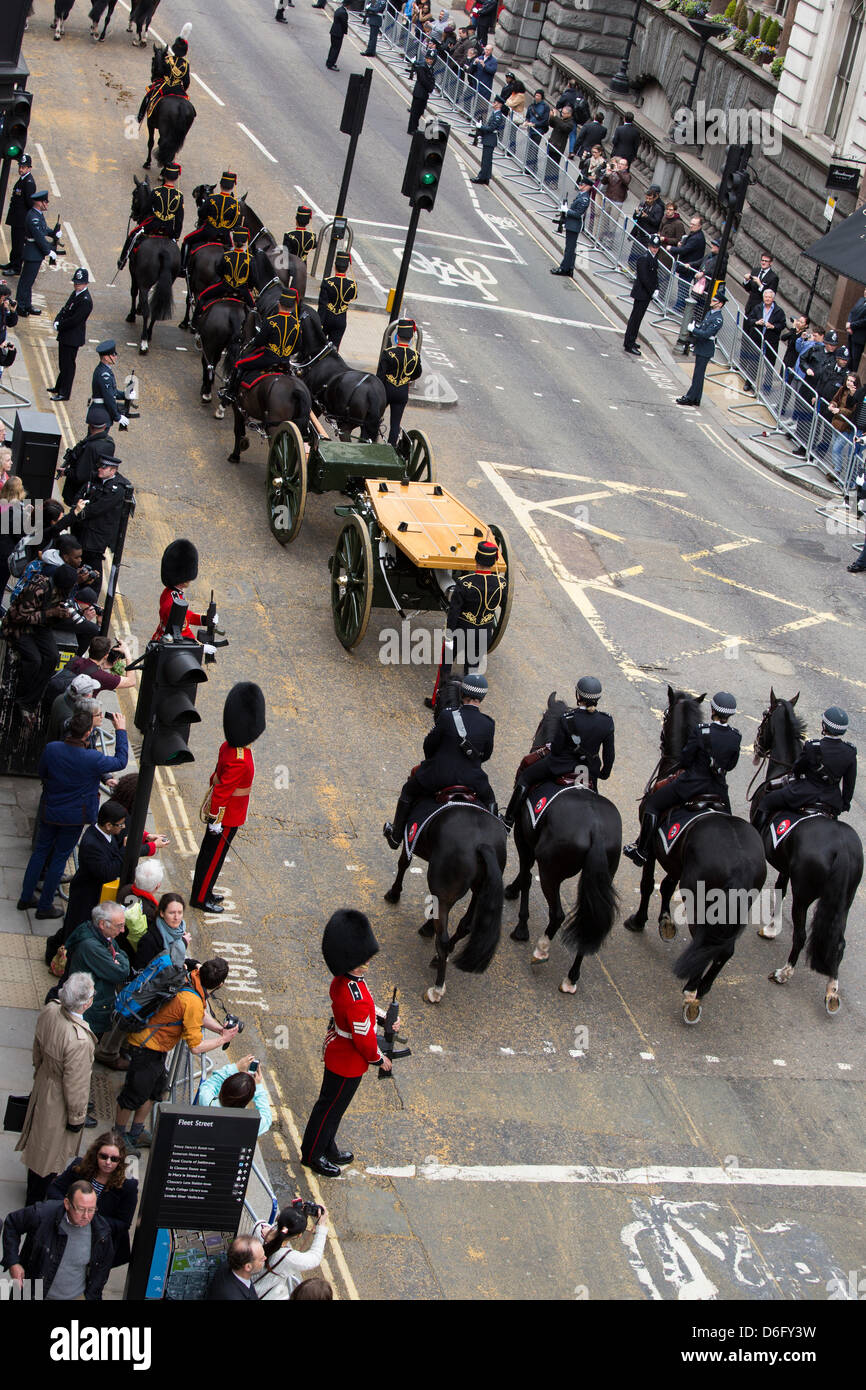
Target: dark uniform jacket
(277, 336)
(646, 278)
(398, 365)
(826, 770)
(425, 80)
(579, 738)
(45, 1242)
(19, 200)
(72, 318)
(489, 132)
(103, 388)
(234, 267)
(83, 463)
(300, 241)
(712, 751)
(336, 294)
(576, 210)
(166, 212)
(99, 861)
(703, 334)
(626, 142)
(175, 73)
(340, 26)
(474, 600)
(97, 525)
(221, 210)
(447, 760)
(38, 240)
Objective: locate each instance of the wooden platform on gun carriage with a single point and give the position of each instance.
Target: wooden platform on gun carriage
(429, 524)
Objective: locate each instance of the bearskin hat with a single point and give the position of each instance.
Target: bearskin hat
(179, 564)
(243, 714)
(348, 941)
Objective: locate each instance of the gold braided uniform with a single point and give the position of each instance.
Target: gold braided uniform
(235, 267)
(300, 242)
(166, 209)
(175, 73)
(399, 365)
(222, 210)
(337, 293)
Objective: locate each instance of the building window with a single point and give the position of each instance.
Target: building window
(842, 80)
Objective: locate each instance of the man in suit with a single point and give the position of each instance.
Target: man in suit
(71, 333)
(646, 282)
(19, 204)
(100, 857)
(763, 327)
(688, 255)
(537, 123)
(232, 1282)
(489, 133)
(339, 29)
(591, 133)
(573, 223)
(704, 348)
(764, 278)
(626, 139)
(856, 329)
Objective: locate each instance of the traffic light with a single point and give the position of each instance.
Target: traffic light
(16, 120)
(424, 165)
(169, 702)
(734, 183)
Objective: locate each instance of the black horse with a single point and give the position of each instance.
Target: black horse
(289, 269)
(154, 265)
(821, 858)
(272, 261)
(717, 861)
(140, 20)
(97, 9)
(220, 325)
(351, 399)
(581, 833)
(170, 119)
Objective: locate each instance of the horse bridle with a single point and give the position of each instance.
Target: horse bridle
(323, 352)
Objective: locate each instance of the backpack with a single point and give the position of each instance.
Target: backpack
(58, 685)
(152, 987)
(21, 556)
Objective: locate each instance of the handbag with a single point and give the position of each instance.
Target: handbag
(16, 1110)
(58, 963)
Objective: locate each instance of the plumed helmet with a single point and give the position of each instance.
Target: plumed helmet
(180, 47)
(835, 720)
(244, 714)
(179, 564)
(473, 686)
(487, 554)
(348, 941)
(588, 689)
(303, 215)
(724, 704)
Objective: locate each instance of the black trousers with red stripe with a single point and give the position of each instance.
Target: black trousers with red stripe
(211, 858)
(335, 1097)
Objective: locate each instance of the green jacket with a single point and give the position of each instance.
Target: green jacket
(88, 950)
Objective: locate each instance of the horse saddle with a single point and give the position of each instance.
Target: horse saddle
(535, 755)
(783, 822)
(437, 804)
(682, 818)
(455, 793)
(542, 796)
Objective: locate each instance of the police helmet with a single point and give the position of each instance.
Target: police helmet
(81, 277)
(588, 690)
(835, 721)
(25, 161)
(724, 704)
(473, 686)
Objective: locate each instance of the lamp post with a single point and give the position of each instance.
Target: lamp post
(705, 31)
(619, 82)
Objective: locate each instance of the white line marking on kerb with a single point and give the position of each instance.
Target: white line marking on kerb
(504, 309)
(256, 141)
(625, 1177)
(52, 182)
(76, 244)
(211, 94)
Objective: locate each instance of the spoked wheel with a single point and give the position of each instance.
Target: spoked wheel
(286, 482)
(352, 582)
(501, 624)
(420, 465)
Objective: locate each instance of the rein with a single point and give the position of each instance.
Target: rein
(323, 352)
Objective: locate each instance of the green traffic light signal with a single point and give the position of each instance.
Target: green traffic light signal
(16, 119)
(428, 178)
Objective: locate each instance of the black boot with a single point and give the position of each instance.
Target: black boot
(638, 853)
(512, 810)
(393, 830)
(228, 392)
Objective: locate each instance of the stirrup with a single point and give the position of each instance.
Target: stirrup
(388, 832)
(635, 854)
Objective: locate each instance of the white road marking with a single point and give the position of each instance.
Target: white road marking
(648, 1056)
(709, 1058)
(779, 1062)
(288, 863)
(256, 141)
(49, 174)
(844, 1066)
(211, 94)
(76, 246)
(650, 1176)
(428, 231)
(356, 257)
(520, 313)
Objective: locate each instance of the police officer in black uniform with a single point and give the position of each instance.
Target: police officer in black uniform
(80, 463)
(459, 742)
(399, 365)
(103, 387)
(98, 508)
(218, 217)
(39, 242)
(825, 772)
(303, 239)
(712, 751)
(583, 733)
(71, 333)
(19, 205)
(425, 84)
(337, 292)
(471, 614)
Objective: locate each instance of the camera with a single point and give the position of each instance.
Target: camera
(231, 1021)
(308, 1208)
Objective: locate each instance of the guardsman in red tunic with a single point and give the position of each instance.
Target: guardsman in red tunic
(231, 784)
(351, 1046)
(179, 566)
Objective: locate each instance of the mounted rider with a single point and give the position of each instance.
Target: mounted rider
(172, 77)
(584, 739)
(459, 742)
(164, 216)
(270, 347)
(712, 751)
(218, 216)
(825, 773)
(472, 612)
(233, 268)
(302, 240)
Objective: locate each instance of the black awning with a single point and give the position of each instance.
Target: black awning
(843, 249)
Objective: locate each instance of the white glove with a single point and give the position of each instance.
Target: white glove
(692, 326)
(216, 619)
(52, 257)
(123, 422)
(55, 325)
(215, 827)
(208, 649)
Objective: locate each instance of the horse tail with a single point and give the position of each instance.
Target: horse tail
(826, 944)
(487, 918)
(711, 938)
(173, 131)
(161, 296)
(597, 904)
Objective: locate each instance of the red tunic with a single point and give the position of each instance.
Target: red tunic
(232, 782)
(354, 1015)
(166, 599)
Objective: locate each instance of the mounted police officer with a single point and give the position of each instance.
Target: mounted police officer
(303, 239)
(103, 388)
(489, 132)
(270, 347)
(164, 216)
(712, 751)
(584, 739)
(173, 77)
(459, 742)
(71, 333)
(399, 365)
(20, 200)
(824, 774)
(219, 215)
(233, 268)
(336, 293)
(472, 613)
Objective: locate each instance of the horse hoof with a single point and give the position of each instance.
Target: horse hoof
(770, 931)
(566, 987)
(782, 975)
(207, 399)
(392, 895)
(634, 924)
(667, 929)
(692, 1011)
(197, 343)
(426, 930)
(244, 445)
(832, 1002)
(520, 933)
(434, 995)
(130, 318)
(142, 349)
(233, 458)
(219, 413)
(511, 892)
(542, 949)
(184, 325)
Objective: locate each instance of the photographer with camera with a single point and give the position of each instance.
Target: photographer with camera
(98, 510)
(234, 1086)
(8, 319)
(285, 1267)
(42, 604)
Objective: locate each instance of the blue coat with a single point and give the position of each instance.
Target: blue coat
(489, 132)
(38, 240)
(704, 332)
(574, 215)
(103, 387)
(71, 776)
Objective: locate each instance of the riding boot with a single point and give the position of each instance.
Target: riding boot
(512, 810)
(393, 830)
(228, 392)
(639, 852)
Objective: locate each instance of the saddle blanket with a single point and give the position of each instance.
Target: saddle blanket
(424, 811)
(542, 796)
(785, 821)
(677, 821)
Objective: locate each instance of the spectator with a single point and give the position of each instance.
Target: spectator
(688, 255)
(15, 520)
(809, 371)
(465, 41)
(68, 1246)
(172, 930)
(710, 262)
(537, 124)
(467, 97)
(626, 139)
(42, 606)
(339, 29)
(233, 1281)
(104, 655)
(64, 705)
(98, 512)
(139, 899)
(71, 772)
(672, 229)
(182, 1018)
(516, 102)
(593, 164)
(439, 25)
(66, 550)
(793, 337)
(844, 411)
(590, 133)
(90, 946)
(485, 66)
(561, 126)
(484, 19)
(511, 85)
(234, 1086)
(312, 1291)
(100, 857)
(615, 180)
(63, 1045)
(763, 328)
(285, 1267)
(104, 1167)
(8, 315)
(42, 538)
(448, 42)
(647, 218)
(82, 460)
(764, 278)
(856, 330)
(5, 465)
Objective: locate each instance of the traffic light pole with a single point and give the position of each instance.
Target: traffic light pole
(351, 124)
(408, 246)
(116, 557)
(138, 818)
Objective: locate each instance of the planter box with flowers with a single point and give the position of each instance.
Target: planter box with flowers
(746, 35)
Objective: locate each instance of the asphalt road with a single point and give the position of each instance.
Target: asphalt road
(649, 551)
